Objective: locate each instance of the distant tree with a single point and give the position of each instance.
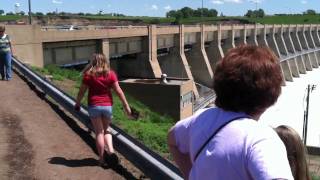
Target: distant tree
(155, 21)
(260, 13)
(256, 13)
(171, 13)
(39, 14)
(62, 13)
(1, 11)
(212, 13)
(187, 12)
(310, 12)
(249, 13)
(9, 13)
(221, 14)
(22, 13)
(89, 14)
(80, 14)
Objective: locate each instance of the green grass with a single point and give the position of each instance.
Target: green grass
(294, 19)
(10, 17)
(314, 177)
(150, 129)
(144, 19)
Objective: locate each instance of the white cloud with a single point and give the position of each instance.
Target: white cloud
(56, 2)
(255, 1)
(226, 1)
(217, 2)
(167, 7)
(154, 7)
(234, 1)
(304, 2)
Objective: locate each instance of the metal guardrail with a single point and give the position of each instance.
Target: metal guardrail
(299, 53)
(150, 163)
(76, 27)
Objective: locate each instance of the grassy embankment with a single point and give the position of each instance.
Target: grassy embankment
(10, 17)
(294, 19)
(288, 19)
(150, 129)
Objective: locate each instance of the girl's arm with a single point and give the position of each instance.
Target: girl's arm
(82, 91)
(122, 97)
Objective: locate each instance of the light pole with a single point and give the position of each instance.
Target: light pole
(201, 11)
(310, 88)
(29, 3)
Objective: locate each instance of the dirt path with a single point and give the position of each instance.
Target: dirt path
(38, 140)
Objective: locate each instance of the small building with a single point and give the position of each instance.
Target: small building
(172, 97)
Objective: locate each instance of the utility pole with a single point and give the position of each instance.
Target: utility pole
(29, 3)
(202, 11)
(310, 88)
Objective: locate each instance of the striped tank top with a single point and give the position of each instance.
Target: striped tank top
(5, 44)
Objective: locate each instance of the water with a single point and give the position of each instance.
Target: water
(289, 109)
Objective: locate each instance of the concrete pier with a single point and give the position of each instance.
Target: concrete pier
(198, 60)
(286, 71)
(297, 61)
(261, 35)
(314, 32)
(305, 48)
(251, 35)
(309, 46)
(227, 38)
(290, 60)
(214, 50)
(299, 50)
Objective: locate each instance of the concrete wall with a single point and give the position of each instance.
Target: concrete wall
(27, 44)
(165, 99)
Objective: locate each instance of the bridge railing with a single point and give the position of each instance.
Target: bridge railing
(149, 162)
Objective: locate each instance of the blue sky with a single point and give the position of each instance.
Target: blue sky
(160, 7)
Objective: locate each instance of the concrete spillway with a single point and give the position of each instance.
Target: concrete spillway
(179, 51)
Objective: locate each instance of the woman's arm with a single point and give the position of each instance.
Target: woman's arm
(82, 91)
(122, 97)
(183, 160)
(11, 48)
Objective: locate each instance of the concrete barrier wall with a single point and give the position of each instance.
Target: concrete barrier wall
(189, 51)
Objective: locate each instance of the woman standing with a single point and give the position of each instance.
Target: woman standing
(5, 55)
(227, 141)
(99, 79)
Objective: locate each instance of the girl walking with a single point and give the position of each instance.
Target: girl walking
(99, 79)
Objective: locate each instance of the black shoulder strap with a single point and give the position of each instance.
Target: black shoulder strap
(214, 133)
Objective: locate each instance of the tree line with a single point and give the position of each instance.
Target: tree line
(187, 12)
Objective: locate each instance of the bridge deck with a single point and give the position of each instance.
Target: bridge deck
(38, 140)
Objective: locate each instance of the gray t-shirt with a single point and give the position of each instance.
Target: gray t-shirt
(243, 149)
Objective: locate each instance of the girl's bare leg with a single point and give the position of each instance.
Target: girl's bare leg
(100, 142)
(107, 135)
